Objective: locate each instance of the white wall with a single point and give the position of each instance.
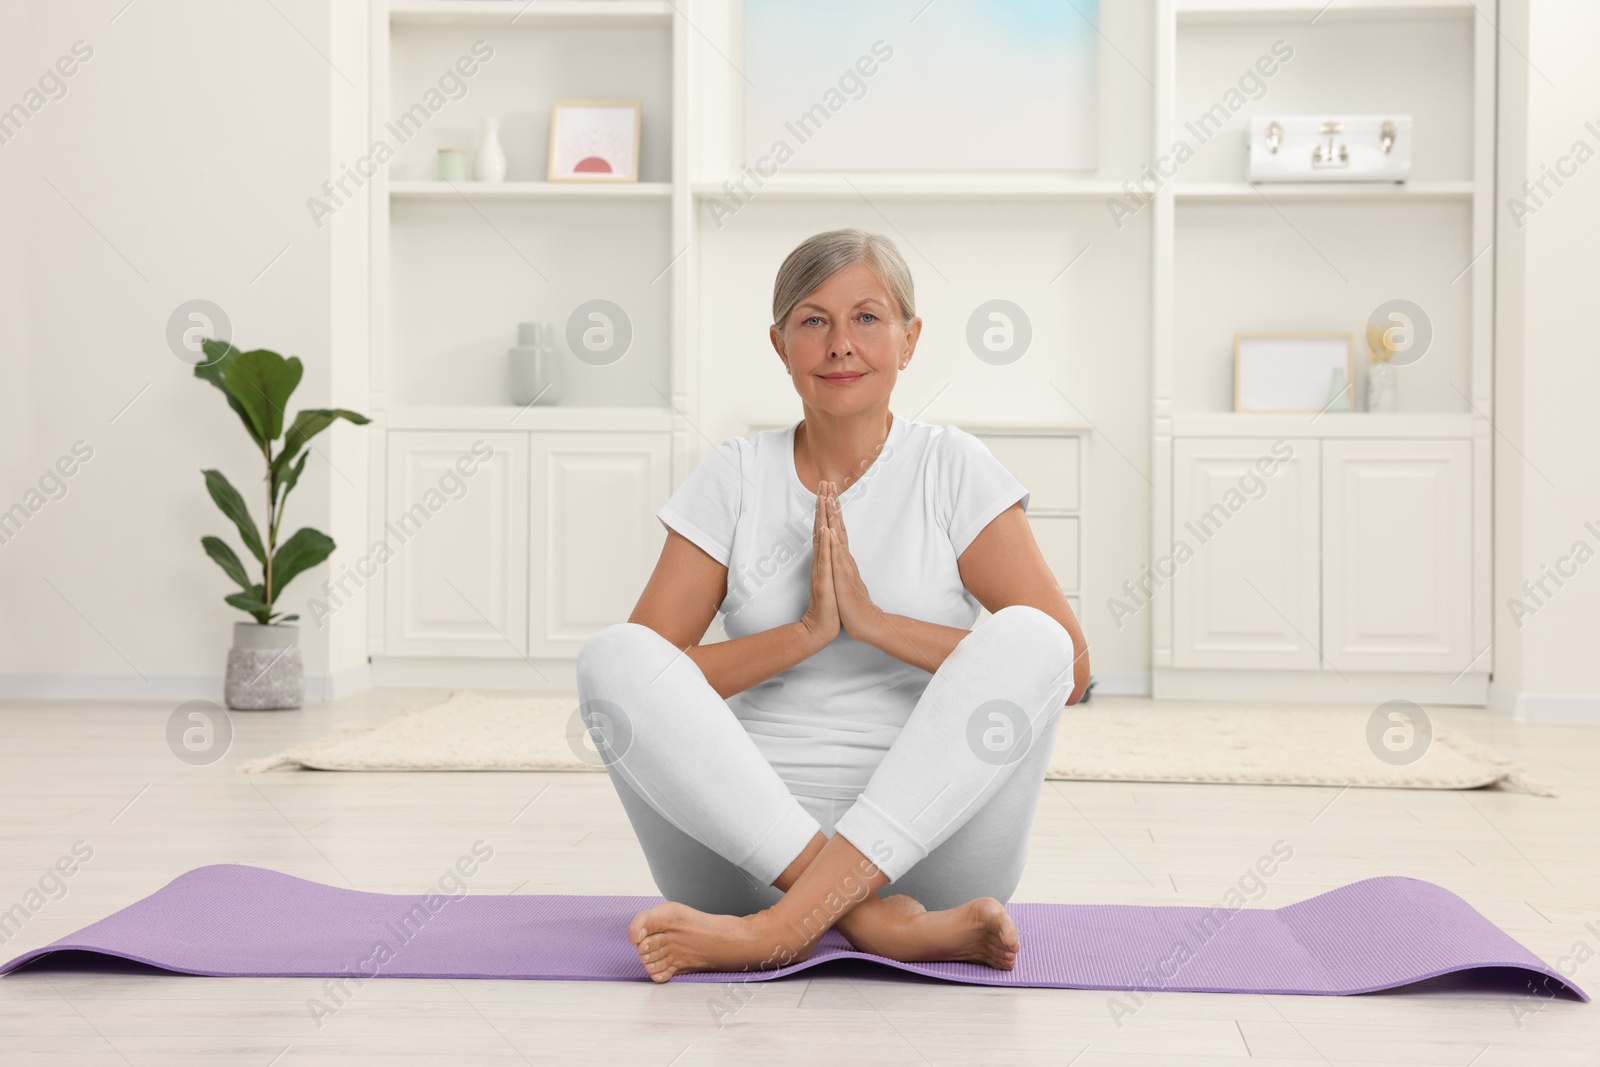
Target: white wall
(175, 167)
(1547, 452)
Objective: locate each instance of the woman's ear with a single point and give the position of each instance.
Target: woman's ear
(777, 346)
(913, 332)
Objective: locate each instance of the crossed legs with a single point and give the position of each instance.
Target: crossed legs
(750, 872)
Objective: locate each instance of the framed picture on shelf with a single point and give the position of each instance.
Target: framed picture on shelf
(1290, 372)
(594, 141)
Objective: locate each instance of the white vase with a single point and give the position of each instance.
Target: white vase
(491, 165)
(535, 365)
(1338, 391)
(1381, 378)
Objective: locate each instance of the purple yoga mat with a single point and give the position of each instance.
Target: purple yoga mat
(230, 920)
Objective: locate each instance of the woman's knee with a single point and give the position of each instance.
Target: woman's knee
(615, 652)
(1030, 628)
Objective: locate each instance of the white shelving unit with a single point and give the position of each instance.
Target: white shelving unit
(558, 191)
(1404, 191)
(1318, 10)
(456, 266)
(1289, 257)
(1010, 187)
(500, 586)
(530, 13)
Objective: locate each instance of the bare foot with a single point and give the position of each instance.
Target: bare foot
(899, 928)
(675, 939)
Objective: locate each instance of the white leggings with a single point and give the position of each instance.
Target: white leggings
(945, 814)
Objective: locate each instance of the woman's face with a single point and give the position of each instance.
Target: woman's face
(844, 343)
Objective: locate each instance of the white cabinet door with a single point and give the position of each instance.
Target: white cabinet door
(1397, 564)
(1248, 597)
(457, 530)
(595, 536)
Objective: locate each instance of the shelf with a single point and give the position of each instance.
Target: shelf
(1455, 425)
(1273, 191)
(1319, 10)
(531, 12)
(835, 186)
(551, 417)
(441, 190)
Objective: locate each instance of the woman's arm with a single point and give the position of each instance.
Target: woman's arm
(679, 603)
(1002, 566)
(916, 641)
(682, 597)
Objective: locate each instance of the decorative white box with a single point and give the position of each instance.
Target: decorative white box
(1329, 148)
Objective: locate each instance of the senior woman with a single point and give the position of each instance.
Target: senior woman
(853, 734)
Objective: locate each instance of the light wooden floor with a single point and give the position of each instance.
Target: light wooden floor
(103, 774)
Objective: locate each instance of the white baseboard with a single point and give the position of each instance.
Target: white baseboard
(1351, 687)
(352, 681)
(1121, 684)
(421, 672)
(1546, 707)
(162, 688)
(561, 675)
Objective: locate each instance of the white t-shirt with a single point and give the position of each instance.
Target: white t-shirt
(825, 723)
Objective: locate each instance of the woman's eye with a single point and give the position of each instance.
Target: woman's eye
(812, 318)
(868, 316)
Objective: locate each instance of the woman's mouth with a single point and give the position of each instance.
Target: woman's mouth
(843, 377)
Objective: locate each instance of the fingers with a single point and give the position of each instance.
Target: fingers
(836, 523)
(825, 552)
(835, 515)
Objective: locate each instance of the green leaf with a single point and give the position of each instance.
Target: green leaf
(251, 602)
(304, 550)
(218, 550)
(262, 381)
(288, 618)
(219, 354)
(307, 424)
(232, 504)
(292, 478)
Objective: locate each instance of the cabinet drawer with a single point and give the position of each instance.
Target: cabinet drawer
(1245, 512)
(594, 536)
(1058, 540)
(457, 526)
(1048, 466)
(1397, 564)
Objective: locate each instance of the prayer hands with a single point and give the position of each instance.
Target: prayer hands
(821, 619)
(857, 613)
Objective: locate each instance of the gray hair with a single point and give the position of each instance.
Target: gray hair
(818, 258)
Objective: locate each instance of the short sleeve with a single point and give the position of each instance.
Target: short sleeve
(974, 487)
(705, 508)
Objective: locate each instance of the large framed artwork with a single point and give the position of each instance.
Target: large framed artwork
(975, 85)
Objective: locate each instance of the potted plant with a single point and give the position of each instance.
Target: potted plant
(264, 665)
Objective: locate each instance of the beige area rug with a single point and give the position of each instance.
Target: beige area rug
(1244, 745)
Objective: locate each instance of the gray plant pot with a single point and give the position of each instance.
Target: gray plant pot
(265, 671)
